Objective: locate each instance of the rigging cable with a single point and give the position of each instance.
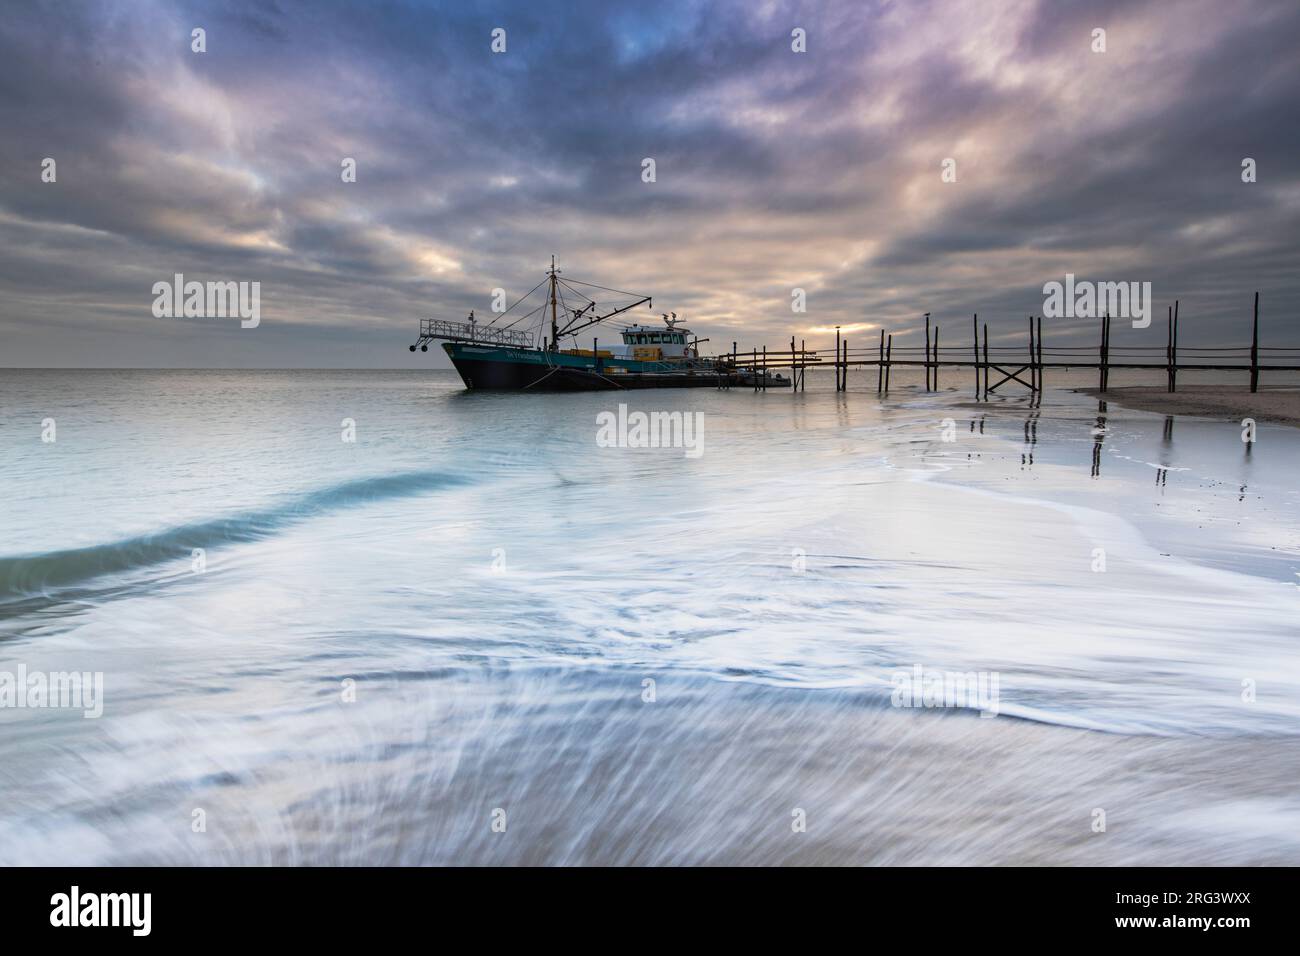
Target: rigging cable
(606, 288)
(517, 301)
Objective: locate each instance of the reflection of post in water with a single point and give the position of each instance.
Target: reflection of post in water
(973, 423)
(1031, 439)
(1167, 443)
(1098, 436)
(1244, 473)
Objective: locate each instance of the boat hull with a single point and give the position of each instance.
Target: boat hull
(506, 369)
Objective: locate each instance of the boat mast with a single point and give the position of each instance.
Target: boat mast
(555, 325)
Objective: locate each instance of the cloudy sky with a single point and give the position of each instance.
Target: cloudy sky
(775, 169)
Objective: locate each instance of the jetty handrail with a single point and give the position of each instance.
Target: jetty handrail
(690, 364)
(769, 359)
(1012, 362)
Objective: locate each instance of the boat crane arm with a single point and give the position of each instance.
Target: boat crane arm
(572, 329)
(574, 316)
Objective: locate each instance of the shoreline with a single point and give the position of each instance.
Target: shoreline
(1278, 405)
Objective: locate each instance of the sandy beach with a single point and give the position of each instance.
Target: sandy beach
(705, 680)
(1281, 405)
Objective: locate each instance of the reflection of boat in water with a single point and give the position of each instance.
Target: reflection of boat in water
(496, 356)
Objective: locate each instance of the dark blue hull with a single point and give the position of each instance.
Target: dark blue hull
(507, 369)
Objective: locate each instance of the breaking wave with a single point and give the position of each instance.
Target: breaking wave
(24, 575)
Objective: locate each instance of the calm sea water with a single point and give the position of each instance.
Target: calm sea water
(371, 651)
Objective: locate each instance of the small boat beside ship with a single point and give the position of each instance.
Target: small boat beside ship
(507, 357)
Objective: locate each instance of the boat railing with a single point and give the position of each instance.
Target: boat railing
(474, 333)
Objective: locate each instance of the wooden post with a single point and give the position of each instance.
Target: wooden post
(1105, 353)
(1101, 356)
(1169, 350)
(1254, 350)
(927, 351)
(880, 365)
(844, 375)
(803, 360)
(1033, 370)
(986, 360)
(1173, 352)
(975, 329)
(889, 359)
(1108, 352)
(1040, 356)
(765, 368)
(837, 358)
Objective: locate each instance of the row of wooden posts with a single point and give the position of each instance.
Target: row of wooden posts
(798, 360)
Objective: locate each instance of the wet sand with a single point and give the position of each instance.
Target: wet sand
(708, 774)
(1235, 402)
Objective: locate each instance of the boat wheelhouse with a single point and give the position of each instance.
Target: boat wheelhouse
(656, 343)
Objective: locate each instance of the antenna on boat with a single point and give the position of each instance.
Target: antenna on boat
(555, 324)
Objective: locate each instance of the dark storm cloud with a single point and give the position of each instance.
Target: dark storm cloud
(775, 169)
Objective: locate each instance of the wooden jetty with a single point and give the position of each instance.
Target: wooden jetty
(1025, 366)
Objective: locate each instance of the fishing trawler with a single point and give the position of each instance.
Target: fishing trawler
(510, 357)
